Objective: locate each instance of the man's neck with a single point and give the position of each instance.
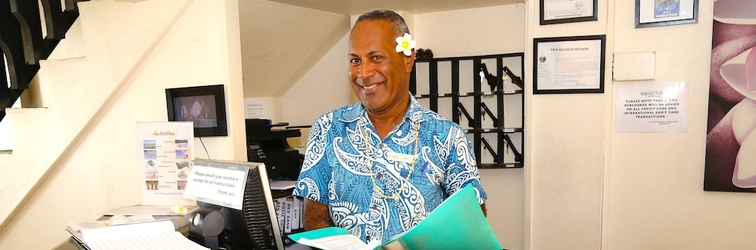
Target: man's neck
(385, 122)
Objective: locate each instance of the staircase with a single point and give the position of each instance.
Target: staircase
(76, 157)
(22, 42)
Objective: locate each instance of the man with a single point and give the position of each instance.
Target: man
(380, 166)
(667, 8)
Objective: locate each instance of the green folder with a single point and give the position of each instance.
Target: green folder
(458, 223)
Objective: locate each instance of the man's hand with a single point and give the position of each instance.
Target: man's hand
(482, 207)
(316, 215)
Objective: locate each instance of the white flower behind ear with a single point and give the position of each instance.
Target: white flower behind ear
(405, 44)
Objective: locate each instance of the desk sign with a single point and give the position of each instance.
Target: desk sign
(164, 152)
(217, 184)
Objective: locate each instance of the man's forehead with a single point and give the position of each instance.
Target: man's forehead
(372, 28)
(369, 34)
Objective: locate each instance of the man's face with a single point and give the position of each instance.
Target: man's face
(379, 74)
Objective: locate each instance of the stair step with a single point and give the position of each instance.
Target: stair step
(73, 46)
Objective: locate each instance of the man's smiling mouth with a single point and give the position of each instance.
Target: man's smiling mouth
(368, 88)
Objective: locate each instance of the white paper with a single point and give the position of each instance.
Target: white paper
(560, 9)
(340, 242)
(162, 241)
(132, 229)
(217, 185)
(255, 108)
(651, 107)
(147, 236)
(569, 65)
(165, 153)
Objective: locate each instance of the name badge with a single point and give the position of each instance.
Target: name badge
(393, 156)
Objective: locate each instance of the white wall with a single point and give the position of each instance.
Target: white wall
(323, 88)
(483, 31)
(99, 174)
(655, 194)
(565, 138)
(591, 188)
(469, 32)
(5, 132)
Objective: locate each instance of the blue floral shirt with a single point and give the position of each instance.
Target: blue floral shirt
(423, 161)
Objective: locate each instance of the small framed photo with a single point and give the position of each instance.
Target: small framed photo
(205, 106)
(653, 13)
(568, 65)
(560, 11)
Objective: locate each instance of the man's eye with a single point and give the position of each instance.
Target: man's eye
(377, 58)
(354, 61)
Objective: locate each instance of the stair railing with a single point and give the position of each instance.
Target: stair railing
(22, 44)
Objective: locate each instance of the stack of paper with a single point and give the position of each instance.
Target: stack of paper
(458, 223)
(141, 235)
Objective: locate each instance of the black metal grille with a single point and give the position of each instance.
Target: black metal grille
(256, 214)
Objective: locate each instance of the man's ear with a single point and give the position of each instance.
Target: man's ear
(409, 61)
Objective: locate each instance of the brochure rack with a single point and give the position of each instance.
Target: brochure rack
(484, 95)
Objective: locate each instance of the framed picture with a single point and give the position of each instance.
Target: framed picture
(731, 87)
(203, 105)
(560, 11)
(652, 13)
(565, 65)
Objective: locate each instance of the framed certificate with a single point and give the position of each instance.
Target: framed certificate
(561, 11)
(563, 65)
(651, 13)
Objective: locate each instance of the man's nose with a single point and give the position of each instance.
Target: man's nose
(365, 70)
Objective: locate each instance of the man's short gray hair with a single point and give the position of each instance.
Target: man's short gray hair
(400, 27)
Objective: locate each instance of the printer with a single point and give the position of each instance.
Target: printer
(266, 143)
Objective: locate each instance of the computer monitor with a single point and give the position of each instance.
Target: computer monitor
(253, 225)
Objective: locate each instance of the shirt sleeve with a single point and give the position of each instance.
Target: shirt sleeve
(316, 173)
(461, 165)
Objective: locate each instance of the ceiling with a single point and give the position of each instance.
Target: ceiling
(280, 43)
(356, 7)
(282, 39)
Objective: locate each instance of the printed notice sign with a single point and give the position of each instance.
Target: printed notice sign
(651, 107)
(255, 108)
(219, 184)
(165, 150)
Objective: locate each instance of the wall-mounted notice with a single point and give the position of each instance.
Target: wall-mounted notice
(651, 107)
(165, 153)
(255, 108)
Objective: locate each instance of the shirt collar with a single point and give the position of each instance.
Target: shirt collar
(355, 111)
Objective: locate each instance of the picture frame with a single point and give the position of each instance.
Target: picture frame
(559, 11)
(655, 13)
(204, 105)
(569, 65)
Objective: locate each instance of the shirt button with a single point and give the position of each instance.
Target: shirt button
(374, 207)
(367, 237)
(380, 145)
(378, 175)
